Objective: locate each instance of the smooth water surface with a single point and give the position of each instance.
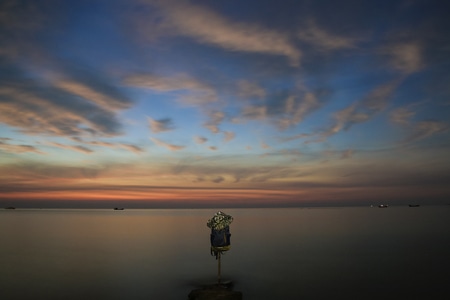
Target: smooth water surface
(289, 253)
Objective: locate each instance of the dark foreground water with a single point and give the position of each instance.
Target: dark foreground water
(316, 253)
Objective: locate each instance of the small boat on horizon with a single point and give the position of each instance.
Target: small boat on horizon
(119, 208)
(414, 205)
(383, 205)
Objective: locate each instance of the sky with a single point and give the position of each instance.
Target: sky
(147, 103)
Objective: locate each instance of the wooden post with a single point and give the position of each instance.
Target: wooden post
(218, 273)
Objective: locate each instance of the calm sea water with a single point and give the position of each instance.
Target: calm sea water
(295, 253)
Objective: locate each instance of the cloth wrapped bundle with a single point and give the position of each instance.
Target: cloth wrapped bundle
(219, 221)
(220, 233)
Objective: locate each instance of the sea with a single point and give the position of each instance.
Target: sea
(276, 253)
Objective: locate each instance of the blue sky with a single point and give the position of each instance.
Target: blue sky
(224, 103)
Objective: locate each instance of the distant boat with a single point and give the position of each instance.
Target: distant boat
(383, 205)
(10, 207)
(414, 205)
(119, 208)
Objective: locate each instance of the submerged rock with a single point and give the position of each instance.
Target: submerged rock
(215, 292)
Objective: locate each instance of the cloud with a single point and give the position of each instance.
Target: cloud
(405, 57)
(363, 110)
(377, 99)
(297, 109)
(101, 98)
(200, 139)
(129, 147)
(247, 89)
(401, 115)
(215, 118)
(77, 148)
(197, 92)
(12, 148)
(347, 154)
(255, 112)
(132, 148)
(90, 85)
(345, 118)
(264, 145)
(284, 109)
(20, 23)
(324, 40)
(157, 126)
(166, 84)
(171, 147)
(228, 136)
(37, 107)
(47, 177)
(290, 152)
(295, 137)
(426, 129)
(95, 143)
(218, 179)
(208, 27)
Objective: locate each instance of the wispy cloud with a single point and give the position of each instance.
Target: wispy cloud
(77, 148)
(197, 92)
(297, 109)
(200, 139)
(132, 148)
(249, 90)
(324, 40)
(363, 110)
(345, 118)
(40, 108)
(19, 23)
(295, 137)
(103, 99)
(215, 119)
(129, 147)
(264, 145)
(171, 147)
(404, 56)
(13, 148)
(425, 129)
(161, 125)
(254, 112)
(90, 84)
(228, 136)
(209, 27)
(347, 153)
(165, 84)
(284, 110)
(402, 115)
(218, 179)
(378, 99)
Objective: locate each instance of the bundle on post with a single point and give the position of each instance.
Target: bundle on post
(220, 233)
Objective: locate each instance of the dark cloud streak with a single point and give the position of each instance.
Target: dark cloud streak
(36, 107)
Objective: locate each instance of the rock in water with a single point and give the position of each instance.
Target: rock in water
(213, 293)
